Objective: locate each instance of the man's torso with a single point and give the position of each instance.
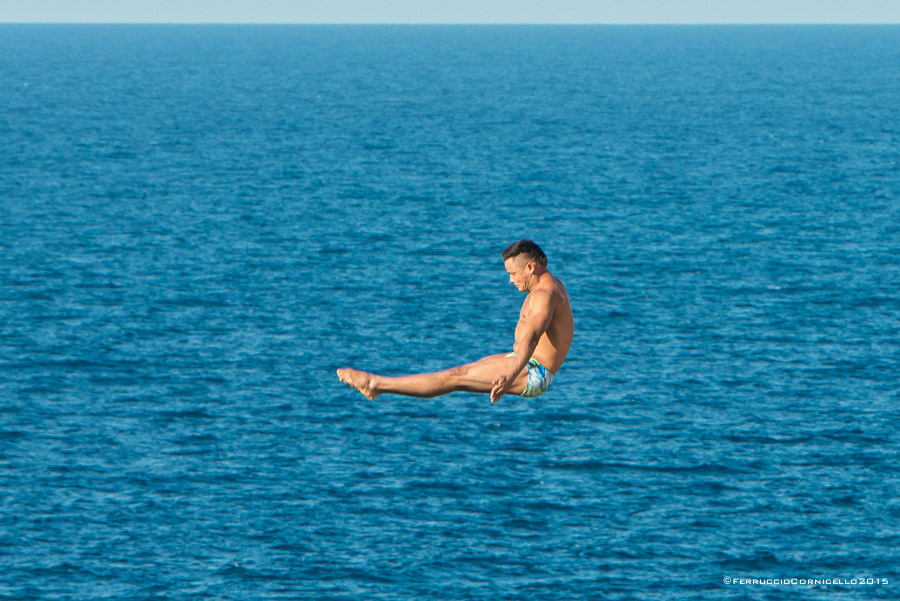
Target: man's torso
(554, 343)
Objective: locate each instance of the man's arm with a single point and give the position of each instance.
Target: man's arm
(539, 315)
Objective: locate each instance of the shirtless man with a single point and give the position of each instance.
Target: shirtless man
(543, 336)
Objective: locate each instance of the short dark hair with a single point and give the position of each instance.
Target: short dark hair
(526, 247)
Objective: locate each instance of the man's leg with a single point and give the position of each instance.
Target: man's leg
(472, 377)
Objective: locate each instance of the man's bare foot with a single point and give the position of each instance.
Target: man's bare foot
(360, 380)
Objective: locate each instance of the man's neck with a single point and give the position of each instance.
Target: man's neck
(536, 279)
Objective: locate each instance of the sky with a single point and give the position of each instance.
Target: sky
(450, 11)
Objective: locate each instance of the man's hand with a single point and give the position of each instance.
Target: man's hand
(499, 389)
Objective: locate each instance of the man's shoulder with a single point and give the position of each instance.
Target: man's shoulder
(559, 296)
(553, 285)
(551, 292)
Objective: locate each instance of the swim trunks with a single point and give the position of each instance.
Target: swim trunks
(539, 378)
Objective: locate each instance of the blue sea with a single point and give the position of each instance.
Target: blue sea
(199, 224)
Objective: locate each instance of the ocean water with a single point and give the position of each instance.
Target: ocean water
(199, 224)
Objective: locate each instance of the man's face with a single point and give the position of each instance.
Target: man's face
(519, 272)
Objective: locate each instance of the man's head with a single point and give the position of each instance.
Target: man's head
(522, 259)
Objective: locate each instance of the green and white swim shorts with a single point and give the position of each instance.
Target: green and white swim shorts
(539, 378)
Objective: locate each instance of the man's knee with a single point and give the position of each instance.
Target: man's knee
(460, 371)
(463, 377)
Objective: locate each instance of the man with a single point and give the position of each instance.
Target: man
(542, 339)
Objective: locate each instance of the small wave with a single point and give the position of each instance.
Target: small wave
(768, 440)
(12, 435)
(193, 301)
(186, 414)
(243, 572)
(600, 466)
